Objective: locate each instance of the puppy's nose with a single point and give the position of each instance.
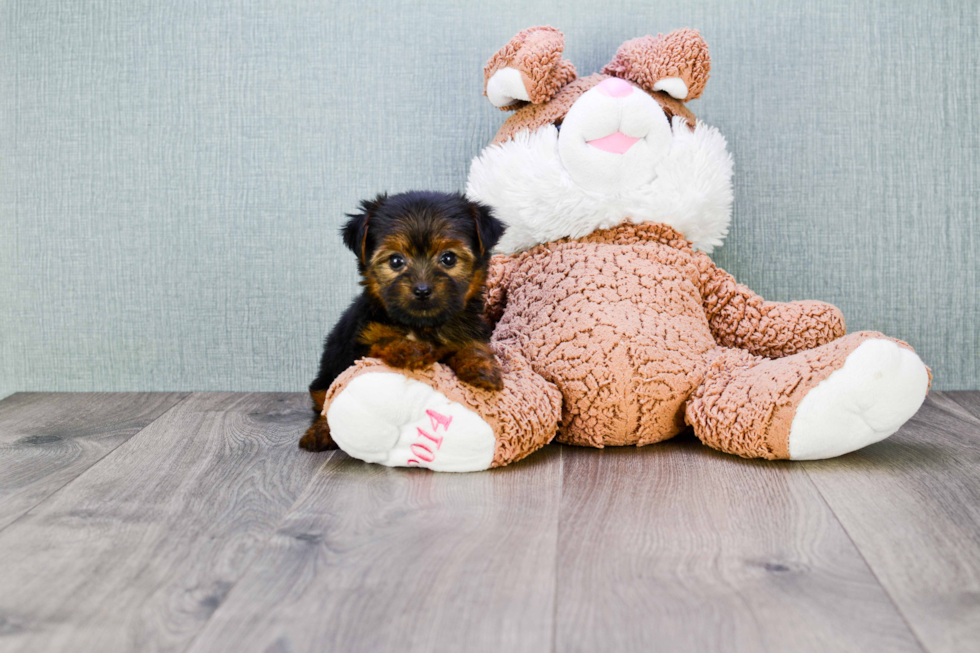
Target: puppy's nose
(422, 290)
(615, 87)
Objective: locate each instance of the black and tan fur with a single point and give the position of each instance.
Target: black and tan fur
(423, 259)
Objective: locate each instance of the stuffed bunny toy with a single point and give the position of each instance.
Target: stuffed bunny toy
(611, 323)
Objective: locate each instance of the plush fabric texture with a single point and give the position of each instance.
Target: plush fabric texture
(745, 405)
(536, 54)
(531, 117)
(416, 425)
(524, 415)
(618, 321)
(879, 387)
(649, 59)
(613, 328)
(616, 339)
(527, 183)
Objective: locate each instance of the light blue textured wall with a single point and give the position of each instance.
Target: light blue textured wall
(172, 174)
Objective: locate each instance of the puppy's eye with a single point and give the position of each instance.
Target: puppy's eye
(448, 259)
(396, 261)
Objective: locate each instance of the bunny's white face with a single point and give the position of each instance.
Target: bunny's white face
(613, 138)
(613, 159)
(580, 155)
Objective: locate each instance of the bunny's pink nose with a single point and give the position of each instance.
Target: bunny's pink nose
(615, 87)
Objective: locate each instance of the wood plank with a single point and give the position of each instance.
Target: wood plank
(136, 554)
(968, 402)
(676, 547)
(379, 559)
(48, 439)
(911, 504)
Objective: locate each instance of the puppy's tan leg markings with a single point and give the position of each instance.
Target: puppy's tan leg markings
(319, 396)
(476, 365)
(397, 348)
(317, 437)
(405, 353)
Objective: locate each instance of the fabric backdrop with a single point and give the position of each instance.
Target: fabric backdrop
(173, 174)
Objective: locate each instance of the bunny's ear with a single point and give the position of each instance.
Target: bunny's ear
(677, 64)
(528, 69)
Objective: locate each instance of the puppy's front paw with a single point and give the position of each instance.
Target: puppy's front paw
(478, 367)
(406, 354)
(317, 437)
(487, 377)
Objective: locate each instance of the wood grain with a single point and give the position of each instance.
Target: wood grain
(968, 401)
(136, 554)
(208, 530)
(378, 559)
(676, 547)
(911, 504)
(46, 440)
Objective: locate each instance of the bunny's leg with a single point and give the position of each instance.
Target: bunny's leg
(819, 403)
(428, 418)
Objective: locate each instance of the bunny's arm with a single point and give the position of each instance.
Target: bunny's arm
(741, 319)
(498, 280)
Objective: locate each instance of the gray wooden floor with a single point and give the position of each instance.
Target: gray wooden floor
(191, 522)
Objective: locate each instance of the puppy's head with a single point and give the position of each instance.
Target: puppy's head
(423, 255)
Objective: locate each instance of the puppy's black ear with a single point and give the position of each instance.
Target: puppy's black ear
(488, 228)
(356, 231)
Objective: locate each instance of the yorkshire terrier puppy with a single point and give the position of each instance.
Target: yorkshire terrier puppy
(423, 259)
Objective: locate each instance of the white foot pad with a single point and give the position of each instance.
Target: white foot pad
(385, 418)
(879, 387)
